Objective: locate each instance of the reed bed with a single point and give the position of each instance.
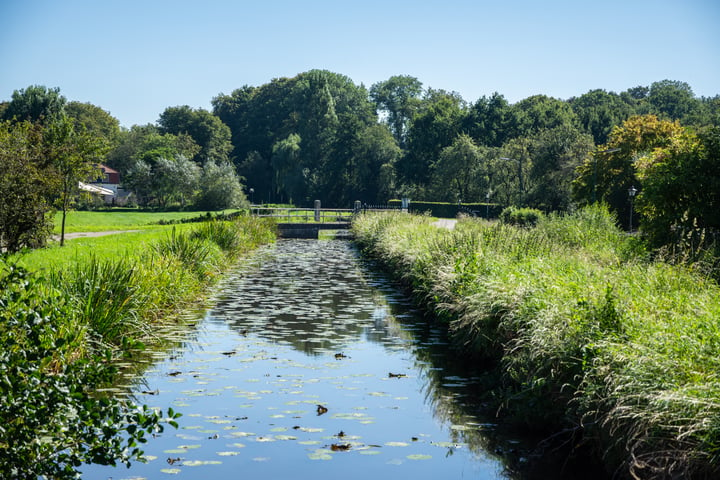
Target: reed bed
(121, 288)
(589, 340)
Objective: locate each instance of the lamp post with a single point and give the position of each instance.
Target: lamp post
(520, 182)
(631, 192)
(487, 205)
(252, 195)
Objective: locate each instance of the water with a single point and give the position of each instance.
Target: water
(312, 366)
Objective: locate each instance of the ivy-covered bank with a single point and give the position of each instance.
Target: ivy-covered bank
(589, 341)
(63, 332)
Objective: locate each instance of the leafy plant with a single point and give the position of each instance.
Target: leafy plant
(526, 217)
(51, 418)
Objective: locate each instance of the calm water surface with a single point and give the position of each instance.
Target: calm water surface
(310, 365)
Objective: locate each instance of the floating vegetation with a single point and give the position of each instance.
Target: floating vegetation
(304, 358)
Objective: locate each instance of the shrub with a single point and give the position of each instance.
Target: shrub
(524, 217)
(52, 420)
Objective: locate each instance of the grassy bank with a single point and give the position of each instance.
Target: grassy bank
(71, 313)
(122, 283)
(121, 219)
(589, 341)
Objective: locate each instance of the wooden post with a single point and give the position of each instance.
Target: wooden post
(317, 210)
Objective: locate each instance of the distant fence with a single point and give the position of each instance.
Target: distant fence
(451, 210)
(304, 215)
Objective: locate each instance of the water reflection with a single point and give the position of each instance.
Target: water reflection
(303, 325)
(313, 295)
(321, 298)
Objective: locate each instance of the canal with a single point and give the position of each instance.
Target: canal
(312, 365)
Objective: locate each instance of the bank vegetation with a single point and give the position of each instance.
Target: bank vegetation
(592, 343)
(65, 325)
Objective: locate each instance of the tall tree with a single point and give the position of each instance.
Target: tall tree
(556, 153)
(607, 175)
(433, 129)
(288, 169)
(599, 111)
(206, 129)
(491, 121)
(35, 103)
(680, 197)
(74, 154)
(95, 120)
(320, 107)
(541, 112)
(398, 98)
(672, 99)
(461, 172)
(25, 180)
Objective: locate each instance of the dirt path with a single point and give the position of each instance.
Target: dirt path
(448, 223)
(70, 236)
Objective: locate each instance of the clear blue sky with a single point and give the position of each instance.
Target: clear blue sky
(135, 58)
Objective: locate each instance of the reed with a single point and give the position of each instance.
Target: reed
(587, 335)
(106, 297)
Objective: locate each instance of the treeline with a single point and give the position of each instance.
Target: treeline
(49, 145)
(318, 135)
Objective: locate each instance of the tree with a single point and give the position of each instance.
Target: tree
(680, 197)
(36, 103)
(491, 121)
(461, 172)
(25, 180)
(434, 128)
(95, 120)
(556, 153)
(207, 131)
(74, 156)
(612, 170)
(541, 112)
(399, 98)
(672, 99)
(599, 111)
(509, 172)
(139, 180)
(287, 167)
(220, 187)
(147, 144)
(174, 179)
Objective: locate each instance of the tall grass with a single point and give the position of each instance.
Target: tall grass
(587, 337)
(121, 287)
(107, 299)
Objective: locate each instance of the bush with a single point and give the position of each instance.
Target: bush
(52, 420)
(524, 217)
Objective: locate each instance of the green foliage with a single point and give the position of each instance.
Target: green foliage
(688, 211)
(207, 130)
(586, 337)
(24, 183)
(51, 419)
(461, 171)
(36, 104)
(200, 256)
(399, 97)
(74, 154)
(220, 187)
(107, 297)
(95, 120)
(524, 217)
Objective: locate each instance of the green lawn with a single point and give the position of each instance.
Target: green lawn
(120, 219)
(79, 250)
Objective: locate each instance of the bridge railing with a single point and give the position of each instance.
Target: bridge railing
(304, 215)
